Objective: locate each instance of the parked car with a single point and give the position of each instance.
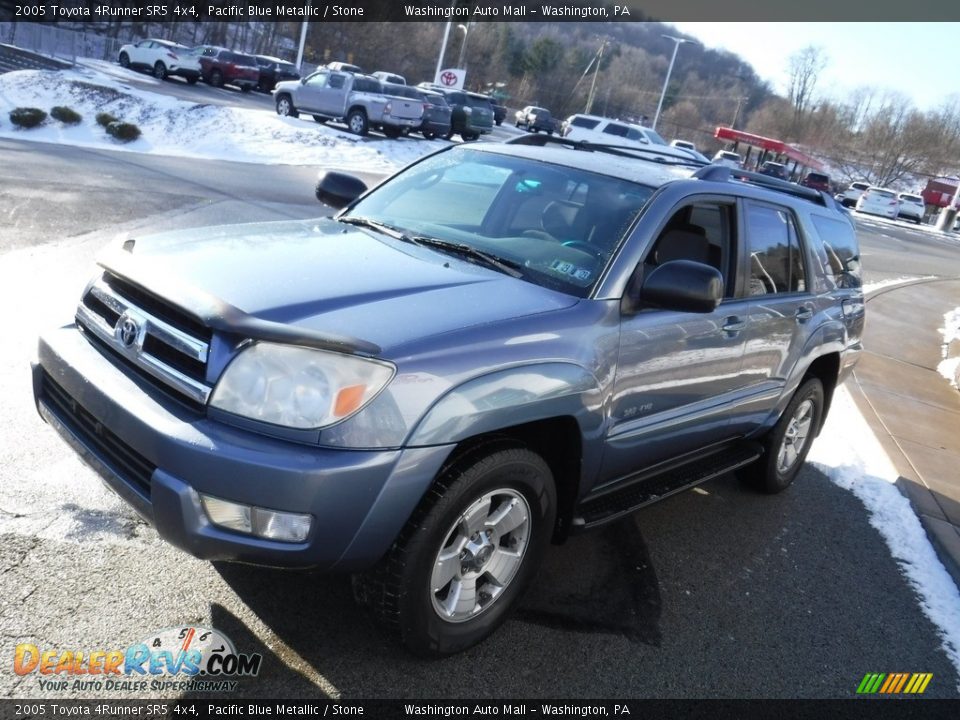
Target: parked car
(683, 145)
(274, 70)
(596, 129)
(161, 57)
(359, 101)
(499, 111)
(471, 113)
(727, 158)
(388, 77)
(816, 181)
(879, 201)
(534, 119)
(541, 340)
(911, 207)
(849, 197)
(338, 66)
(436, 114)
(219, 67)
(774, 169)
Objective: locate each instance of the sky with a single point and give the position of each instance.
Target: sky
(919, 60)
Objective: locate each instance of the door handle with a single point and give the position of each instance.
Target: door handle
(804, 313)
(734, 324)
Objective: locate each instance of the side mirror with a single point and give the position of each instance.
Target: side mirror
(681, 285)
(303, 81)
(338, 189)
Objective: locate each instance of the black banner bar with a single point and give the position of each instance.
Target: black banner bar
(873, 709)
(603, 11)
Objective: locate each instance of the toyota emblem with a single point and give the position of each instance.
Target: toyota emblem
(127, 331)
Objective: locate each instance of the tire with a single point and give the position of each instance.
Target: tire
(216, 78)
(159, 70)
(192, 79)
(124, 60)
(782, 459)
(357, 122)
(246, 88)
(469, 137)
(451, 544)
(391, 132)
(285, 106)
(428, 134)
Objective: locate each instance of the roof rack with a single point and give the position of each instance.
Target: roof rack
(724, 173)
(637, 153)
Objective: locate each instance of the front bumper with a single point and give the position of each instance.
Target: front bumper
(158, 455)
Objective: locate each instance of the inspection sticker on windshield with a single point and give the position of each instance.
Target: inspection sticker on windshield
(566, 268)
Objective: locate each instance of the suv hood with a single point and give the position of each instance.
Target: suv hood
(327, 278)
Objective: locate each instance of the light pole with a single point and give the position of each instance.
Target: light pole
(463, 48)
(678, 42)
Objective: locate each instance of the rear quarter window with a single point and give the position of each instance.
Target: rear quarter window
(841, 253)
(586, 123)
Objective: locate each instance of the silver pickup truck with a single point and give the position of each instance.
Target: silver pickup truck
(357, 100)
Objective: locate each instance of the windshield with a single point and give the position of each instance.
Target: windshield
(557, 225)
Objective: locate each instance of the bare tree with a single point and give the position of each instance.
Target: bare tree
(804, 68)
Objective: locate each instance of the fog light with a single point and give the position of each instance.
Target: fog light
(274, 525)
(227, 514)
(269, 524)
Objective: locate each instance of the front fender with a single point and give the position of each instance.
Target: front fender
(512, 397)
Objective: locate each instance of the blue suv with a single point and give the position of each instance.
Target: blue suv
(498, 346)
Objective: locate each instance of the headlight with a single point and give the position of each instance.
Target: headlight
(298, 387)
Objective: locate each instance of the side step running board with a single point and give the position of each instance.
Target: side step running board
(646, 490)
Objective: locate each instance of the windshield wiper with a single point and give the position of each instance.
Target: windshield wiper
(393, 232)
(505, 266)
(488, 259)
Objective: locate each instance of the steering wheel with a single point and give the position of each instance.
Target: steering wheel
(539, 234)
(583, 246)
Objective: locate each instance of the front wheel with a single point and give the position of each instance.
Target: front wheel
(124, 60)
(467, 553)
(357, 122)
(285, 107)
(216, 78)
(160, 71)
(786, 445)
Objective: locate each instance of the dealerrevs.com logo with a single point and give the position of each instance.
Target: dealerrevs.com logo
(188, 658)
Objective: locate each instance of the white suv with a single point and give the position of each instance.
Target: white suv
(725, 157)
(911, 207)
(162, 58)
(849, 197)
(601, 130)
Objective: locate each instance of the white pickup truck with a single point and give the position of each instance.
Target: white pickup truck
(357, 100)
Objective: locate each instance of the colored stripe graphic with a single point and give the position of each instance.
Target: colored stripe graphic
(894, 683)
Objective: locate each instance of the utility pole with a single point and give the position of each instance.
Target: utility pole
(593, 83)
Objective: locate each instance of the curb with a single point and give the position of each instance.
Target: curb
(941, 534)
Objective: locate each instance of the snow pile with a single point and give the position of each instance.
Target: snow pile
(949, 367)
(186, 129)
(850, 454)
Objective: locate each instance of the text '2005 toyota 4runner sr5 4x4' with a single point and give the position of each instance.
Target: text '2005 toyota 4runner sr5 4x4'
(498, 346)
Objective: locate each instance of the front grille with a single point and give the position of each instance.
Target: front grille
(159, 339)
(127, 463)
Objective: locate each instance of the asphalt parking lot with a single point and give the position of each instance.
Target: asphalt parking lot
(717, 592)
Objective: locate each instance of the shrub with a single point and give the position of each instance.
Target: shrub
(27, 117)
(66, 115)
(105, 119)
(123, 131)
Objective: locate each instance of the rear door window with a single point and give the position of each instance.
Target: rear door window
(774, 254)
(841, 254)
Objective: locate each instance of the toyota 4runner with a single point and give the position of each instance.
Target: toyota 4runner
(498, 346)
